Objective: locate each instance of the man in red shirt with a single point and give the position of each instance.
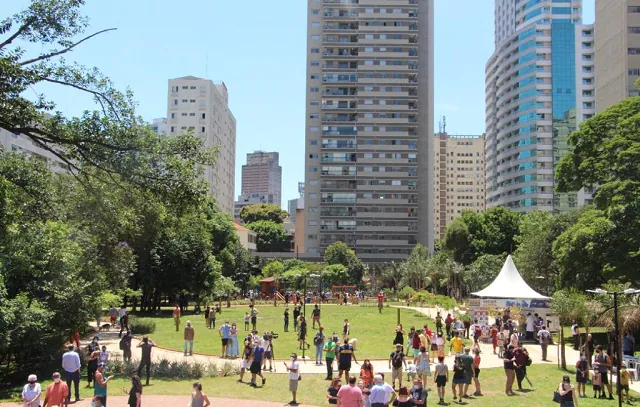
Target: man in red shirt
(57, 393)
(380, 301)
(428, 331)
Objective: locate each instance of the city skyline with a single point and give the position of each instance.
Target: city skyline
(218, 52)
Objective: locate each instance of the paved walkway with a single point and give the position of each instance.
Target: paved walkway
(171, 401)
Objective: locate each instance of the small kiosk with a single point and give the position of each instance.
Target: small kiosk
(510, 291)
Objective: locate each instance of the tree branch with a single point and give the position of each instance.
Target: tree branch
(64, 51)
(22, 28)
(99, 95)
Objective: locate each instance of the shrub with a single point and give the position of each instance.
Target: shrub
(212, 370)
(197, 370)
(229, 369)
(141, 326)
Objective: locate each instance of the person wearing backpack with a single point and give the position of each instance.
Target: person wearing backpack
(396, 360)
(318, 341)
(544, 337)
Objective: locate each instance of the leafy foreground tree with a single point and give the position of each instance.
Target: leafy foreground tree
(270, 212)
(340, 253)
(130, 218)
(605, 156)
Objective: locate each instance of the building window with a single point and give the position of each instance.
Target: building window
(315, 50)
(315, 38)
(315, 63)
(192, 114)
(174, 89)
(314, 129)
(314, 116)
(202, 115)
(315, 24)
(315, 11)
(202, 130)
(314, 142)
(173, 129)
(315, 103)
(313, 223)
(633, 9)
(314, 90)
(173, 115)
(175, 101)
(313, 169)
(634, 72)
(313, 196)
(633, 51)
(314, 76)
(185, 87)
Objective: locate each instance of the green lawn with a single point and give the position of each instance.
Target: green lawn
(374, 331)
(312, 389)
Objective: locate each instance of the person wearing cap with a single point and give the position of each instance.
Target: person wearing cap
(100, 387)
(396, 360)
(31, 392)
(567, 393)
(57, 393)
(71, 366)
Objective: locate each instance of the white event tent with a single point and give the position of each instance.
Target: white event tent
(509, 284)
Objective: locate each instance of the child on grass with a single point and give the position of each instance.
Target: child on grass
(625, 377)
(596, 381)
(411, 372)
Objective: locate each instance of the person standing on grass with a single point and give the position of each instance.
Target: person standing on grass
(509, 369)
(189, 335)
(544, 338)
(521, 356)
(628, 344)
(246, 357)
(456, 344)
(100, 389)
(71, 365)
(350, 395)
(124, 322)
(345, 354)
(396, 360)
(198, 398)
(366, 373)
(145, 360)
(135, 394)
(225, 333)
(423, 368)
(302, 337)
(294, 377)
(316, 316)
(493, 333)
(438, 322)
(582, 375)
(92, 361)
(318, 341)
(176, 317)
(603, 363)
(207, 319)
(416, 343)
(381, 392)
(256, 364)
(212, 317)
(419, 393)
(57, 393)
(286, 319)
(458, 379)
(476, 372)
(254, 316)
(469, 373)
(567, 393)
(332, 391)
(329, 355)
(113, 315)
(346, 329)
(399, 333)
(234, 351)
(296, 314)
(441, 378)
(246, 321)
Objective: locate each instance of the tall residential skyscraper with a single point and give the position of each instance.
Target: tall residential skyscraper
(369, 126)
(459, 178)
(617, 57)
(262, 175)
(539, 87)
(202, 106)
(293, 204)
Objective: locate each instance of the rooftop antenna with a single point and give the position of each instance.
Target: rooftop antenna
(440, 126)
(444, 124)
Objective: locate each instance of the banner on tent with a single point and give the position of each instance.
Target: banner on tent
(508, 302)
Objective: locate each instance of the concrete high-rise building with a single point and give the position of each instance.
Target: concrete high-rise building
(160, 126)
(369, 124)
(293, 203)
(202, 106)
(252, 199)
(539, 88)
(459, 178)
(617, 56)
(20, 143)
(262, 175)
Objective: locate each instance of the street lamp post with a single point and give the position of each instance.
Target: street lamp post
(304, 302)
(616, 347)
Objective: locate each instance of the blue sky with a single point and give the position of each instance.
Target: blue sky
(258, 49)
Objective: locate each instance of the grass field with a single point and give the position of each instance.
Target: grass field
(312, 389)
(374, 331)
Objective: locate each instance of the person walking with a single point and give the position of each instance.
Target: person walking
(125, 346)
(567, 393)
(544, 338)
(469, 373)
(256, 364)
(575, 333)
(113, 315)
(509, 369)
(135, 393)
(124, 321)
(345, 354)
(419, 393)
(530, 327)
(441, 377)
(350, 395)
(458, 379)
(628, 344)
(71, 366)
(145, 359)
(316, 316)
(302, 335)
(329, 355)
(247, 353)
(100, 388)
(57, 392)
(318, 341)
(225, 333)
(212, 317)
(294, 377)
(602, 362)
(189, 336)
(396, 360)
(521, 359)
(176, 317)
(286, 319)
(198, 398)
(582, 375)
(31, 392)
(399, 333)
(207, 318)
(423, 367)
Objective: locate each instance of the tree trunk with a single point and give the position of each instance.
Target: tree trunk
(587, 352)
(563, 359)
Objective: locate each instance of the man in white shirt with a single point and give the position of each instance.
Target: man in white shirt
(575, 332)
(71, 366)
(531, 327)
(381, 392)
(294, 377)
(122, 311)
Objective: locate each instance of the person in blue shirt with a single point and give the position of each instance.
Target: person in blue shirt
(225, 334)
(628, 344)
(345, 354)
(256, 365)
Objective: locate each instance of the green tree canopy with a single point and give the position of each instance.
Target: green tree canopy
(340, 253)
(271, 236)
(335, 274)
(268, 212)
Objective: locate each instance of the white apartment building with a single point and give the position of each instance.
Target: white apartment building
(23, 144)
(539, 88)
(202, 106)
(369, 117)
